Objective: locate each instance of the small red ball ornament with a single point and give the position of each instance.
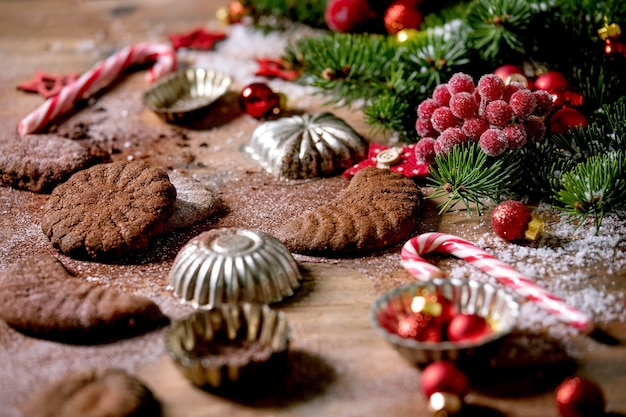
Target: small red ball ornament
(512, 73)
(512, 221)
(258, 100)
(402, 15)
(565, 119)
(567, 96)
(348, 16)
(580, 397)
(550, 81)
(468, 328)
(444, 376)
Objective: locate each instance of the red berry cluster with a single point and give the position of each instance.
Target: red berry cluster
(498, 116)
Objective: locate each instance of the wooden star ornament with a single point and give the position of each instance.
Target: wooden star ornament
(46, 84)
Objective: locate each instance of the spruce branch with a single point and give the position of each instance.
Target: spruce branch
(498, 24)
(279, 14)
(593, 188)
(466, 174)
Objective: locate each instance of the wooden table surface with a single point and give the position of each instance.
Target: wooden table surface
(338, 365)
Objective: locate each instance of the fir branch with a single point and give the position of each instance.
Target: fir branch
(465, 174)
(278, 14)
(593, 188)
(498, 24)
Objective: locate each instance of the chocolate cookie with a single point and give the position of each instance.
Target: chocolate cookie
(379, 208)
(195, 202)
(39, 162)
(107, 210)
(93, 393)
(38, 296)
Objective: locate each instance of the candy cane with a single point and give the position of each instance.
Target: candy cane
(98, 77)
(506, 275)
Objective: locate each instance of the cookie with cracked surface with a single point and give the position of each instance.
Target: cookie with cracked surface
(39, 297)
(93, 393)
(38, 163)
(377, 209)
(106, 211)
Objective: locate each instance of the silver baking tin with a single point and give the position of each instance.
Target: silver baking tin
(230, 265)
(193, 343)
(185, 95)
(306, 146)
(495, 303)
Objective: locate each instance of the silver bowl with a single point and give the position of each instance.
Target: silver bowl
(229, 344)
(495, 303)
(184, 95)
(231, 265)
(306, 146)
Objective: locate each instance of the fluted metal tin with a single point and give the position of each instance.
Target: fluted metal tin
(184, 95)
(306, 146)
(228, 344)
(494, 303)
(233, 265)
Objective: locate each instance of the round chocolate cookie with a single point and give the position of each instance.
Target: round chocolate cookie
(107, 210)
(93, 393)
(195, 202)
(379, 208)
(39, 297)
(39, 162)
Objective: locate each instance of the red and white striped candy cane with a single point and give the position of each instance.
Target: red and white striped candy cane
(439, 242)
(98, 77)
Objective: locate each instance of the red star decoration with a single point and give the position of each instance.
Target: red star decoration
(47, 85)
(196, 39)
(270, 67)
(406, 162)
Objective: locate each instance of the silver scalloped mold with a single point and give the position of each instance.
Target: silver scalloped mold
(228, 345)
(306, 146)
(184, 95)
(233, 265)
(495, 303)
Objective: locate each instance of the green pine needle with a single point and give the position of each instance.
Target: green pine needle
(593, 188)
(466, 174)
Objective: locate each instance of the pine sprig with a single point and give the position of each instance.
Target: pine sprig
(278, 14)
(467, 175)
(593, 188)
(498, 25)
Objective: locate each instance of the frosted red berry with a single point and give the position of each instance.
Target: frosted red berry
(448, 139)
(515, 135)
(443, 118)
(426, 108)
(491, 87)
(509, 220)
(523, 103)
(461, 82)
(463, 105)
(544, 102)
(535, 129)
(493, 142)
(425, 128)
(498, 113)
(474, 127)
(425, 150)
(441, 94)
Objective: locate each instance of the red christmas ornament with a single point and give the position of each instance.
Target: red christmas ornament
(468, 328)
(233, 13)
(444, 376)
(47, 85)
(401, 15)
(512, 73)
(348, 16)
(579, 397)
(196, 39)
(565, 119)
(512, 221)
(550, 81)
(401, 160)
(567, 96)
(421, 327)
(258, 100)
